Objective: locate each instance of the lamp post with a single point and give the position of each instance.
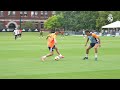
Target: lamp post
(20, 21)
(20, 18)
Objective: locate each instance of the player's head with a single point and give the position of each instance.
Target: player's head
(87, 32)
(57, 31)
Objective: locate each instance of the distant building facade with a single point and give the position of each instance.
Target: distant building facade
(14, 19)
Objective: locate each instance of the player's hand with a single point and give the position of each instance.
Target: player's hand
(85, 45)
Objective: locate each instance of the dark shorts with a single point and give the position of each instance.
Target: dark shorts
(51, 49)
(19, 34)
(93, 44)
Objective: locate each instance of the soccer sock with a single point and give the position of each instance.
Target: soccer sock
(86, 55)
(60, 55)
(95, 55)
(44, 56)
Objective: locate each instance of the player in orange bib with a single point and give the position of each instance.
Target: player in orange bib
(52, 45)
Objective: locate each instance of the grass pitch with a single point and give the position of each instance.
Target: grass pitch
(20, 59)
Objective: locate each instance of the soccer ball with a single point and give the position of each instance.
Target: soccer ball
(57, 58)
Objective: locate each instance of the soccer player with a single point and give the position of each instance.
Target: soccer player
(84, 33)
(95, 42)
(16, 33)
(41, 33)
(20, 33)
(52, 45)
(62, 33)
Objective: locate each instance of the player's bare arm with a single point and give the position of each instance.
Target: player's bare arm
(86, 41)
(55, 41)
(99, 42)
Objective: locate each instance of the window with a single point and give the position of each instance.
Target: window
(11, 13)
(53, 12)
(46, 13)
(42, 24)
(41, 13)
(1, 13)
(23, 13)
(45, 16)
(34, 13)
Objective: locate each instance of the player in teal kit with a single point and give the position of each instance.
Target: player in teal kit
(95, 42)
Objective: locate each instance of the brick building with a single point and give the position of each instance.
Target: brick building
(14, 19)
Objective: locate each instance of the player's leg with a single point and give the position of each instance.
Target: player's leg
(51, 52)
(96, 51)
(84, 35)
(42, 34)
(20, 35)
(61, 35)
(87, 52)
(58, 52)
(48, 55)
(15, 37)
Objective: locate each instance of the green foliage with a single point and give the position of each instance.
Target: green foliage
(1, 25)
(53, 22)
(28, 25)
(102, 19)
(76, 20)
(103, 15)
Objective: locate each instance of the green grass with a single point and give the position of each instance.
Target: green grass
(21, 58)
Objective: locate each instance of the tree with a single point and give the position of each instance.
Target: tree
(28, 25)
(116, 15)
(1, 25)
(76, 20)
(53, 22)
(102, 19)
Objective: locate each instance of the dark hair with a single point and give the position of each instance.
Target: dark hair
(57, 30)
(87, 31)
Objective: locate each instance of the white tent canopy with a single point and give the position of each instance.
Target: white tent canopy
(112, 25)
